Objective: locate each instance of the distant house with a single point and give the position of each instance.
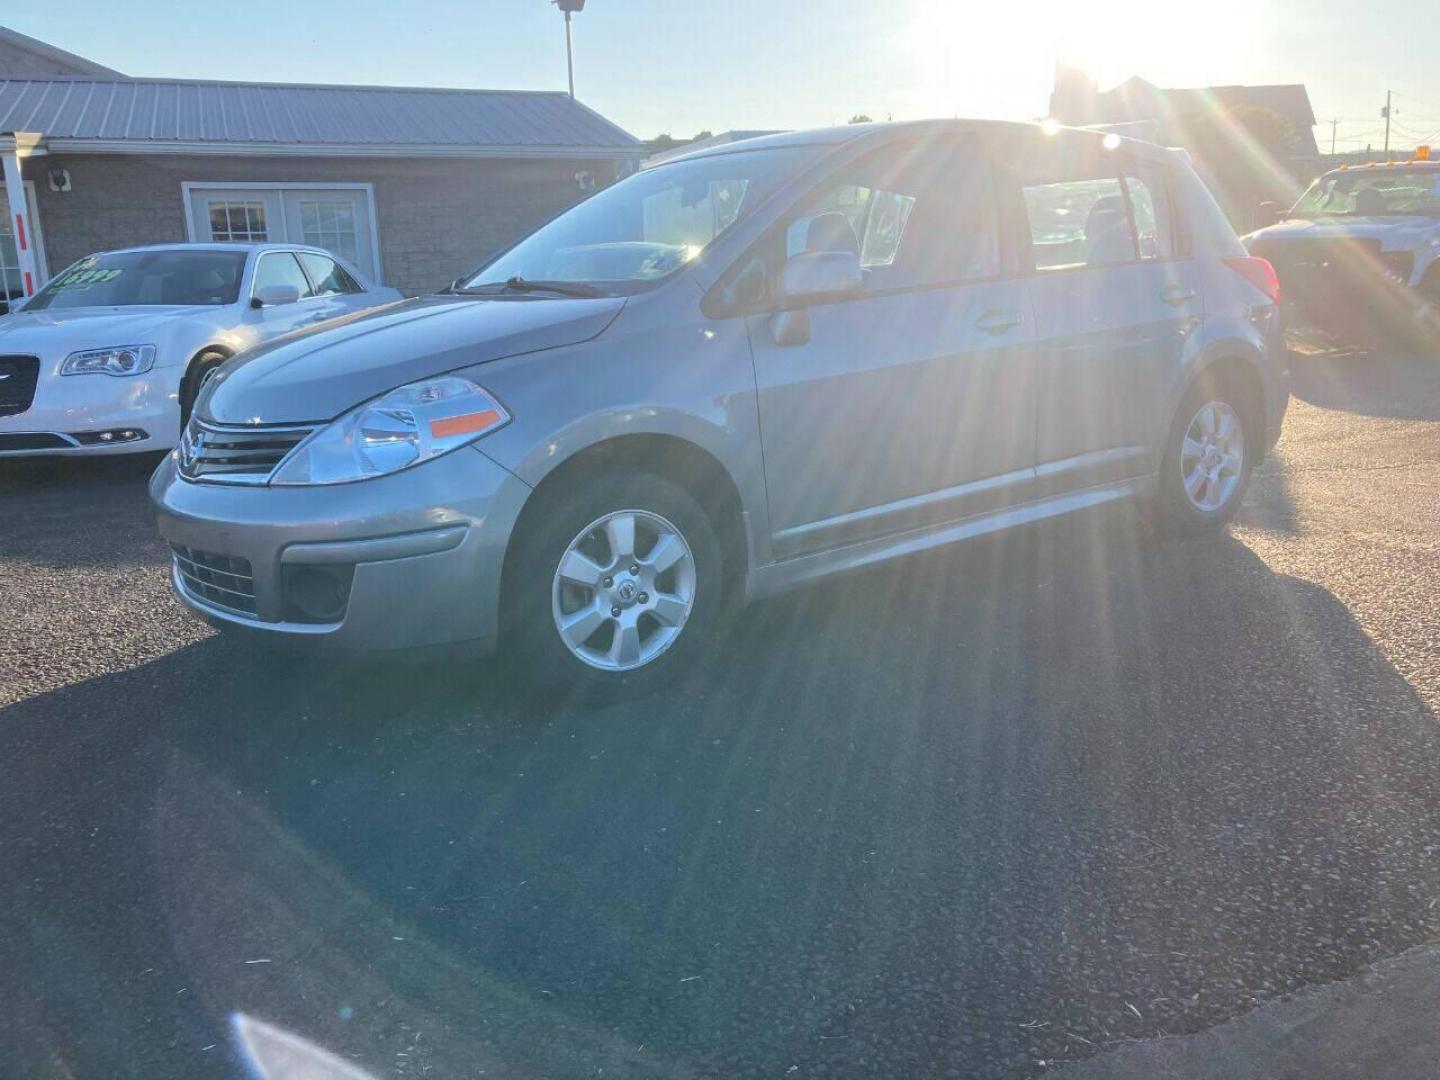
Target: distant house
(415, 185)
(1152, 110)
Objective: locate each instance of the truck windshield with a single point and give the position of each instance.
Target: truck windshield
(131, 278)
(1372, 192)
(646, 226)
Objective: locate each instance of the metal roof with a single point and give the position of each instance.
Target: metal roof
(149, 115)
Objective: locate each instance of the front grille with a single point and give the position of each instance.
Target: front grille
(236, 455)
(18, 376)
(223, 580)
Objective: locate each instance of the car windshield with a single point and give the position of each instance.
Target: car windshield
(648, 225)
(1354, 194)
(194, 278)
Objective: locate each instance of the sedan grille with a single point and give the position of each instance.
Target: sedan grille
(225, 581)
(236, 455)
(18, 376)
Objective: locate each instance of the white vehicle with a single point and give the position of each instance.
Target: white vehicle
(109, 356)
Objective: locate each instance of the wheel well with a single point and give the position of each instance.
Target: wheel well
(678, 460)
(208, 350)
(1240, 378)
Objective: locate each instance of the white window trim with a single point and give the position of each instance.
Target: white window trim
(191, 187)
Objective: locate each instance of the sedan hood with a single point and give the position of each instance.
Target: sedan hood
(1395, 232)
(323, 372)
(66, 329)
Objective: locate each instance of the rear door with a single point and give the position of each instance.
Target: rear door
(1115, 301)
(911, 402)
(335, 286)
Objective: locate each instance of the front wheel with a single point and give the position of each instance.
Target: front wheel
(614, 586)
(1207, 463)
(202, 368)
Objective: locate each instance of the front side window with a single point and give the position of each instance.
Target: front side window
(129, 278)
(1078, 223)
(1357, 193)
(917, 216)
(328, 275)
(280, 268)
(648, 225)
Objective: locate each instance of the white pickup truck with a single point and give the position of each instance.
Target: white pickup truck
(1363, 242)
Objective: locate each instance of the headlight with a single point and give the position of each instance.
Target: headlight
(116, 360)
(404, 427)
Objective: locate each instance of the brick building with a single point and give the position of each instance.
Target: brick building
(414, 185)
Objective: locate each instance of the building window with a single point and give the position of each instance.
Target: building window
(330, 225)
(237, 222)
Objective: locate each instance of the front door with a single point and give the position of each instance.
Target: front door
(911, 402)
(336, 219)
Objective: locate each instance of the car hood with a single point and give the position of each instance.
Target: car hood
(1393, 231)
(87, 327)
(319, 374)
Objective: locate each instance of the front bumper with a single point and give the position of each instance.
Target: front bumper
(421, 550)
(67, 409)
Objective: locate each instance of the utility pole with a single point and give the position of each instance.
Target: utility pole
(1385, 112)
(1333, 125)
(568, 7)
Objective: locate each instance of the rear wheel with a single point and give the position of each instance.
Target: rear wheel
(614, 588)
(1207, 461)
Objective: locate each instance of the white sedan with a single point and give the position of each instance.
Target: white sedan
(109, 356)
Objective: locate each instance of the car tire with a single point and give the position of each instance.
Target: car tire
(635, 620)
(201, 368)
(1201, 484)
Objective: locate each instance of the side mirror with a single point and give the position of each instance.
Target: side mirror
(1268, 213)
(271, 295)
(819, 275)
(806, 278)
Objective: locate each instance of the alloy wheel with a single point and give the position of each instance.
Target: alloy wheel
(1212, 456)
(623, 590)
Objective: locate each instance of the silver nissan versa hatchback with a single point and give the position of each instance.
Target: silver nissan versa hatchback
(733, 373)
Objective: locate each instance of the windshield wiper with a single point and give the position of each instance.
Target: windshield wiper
(528, 285)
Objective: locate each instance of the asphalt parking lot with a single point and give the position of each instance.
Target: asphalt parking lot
(978, 814)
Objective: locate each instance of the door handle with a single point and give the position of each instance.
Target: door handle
(1175, 295)
(995, 321)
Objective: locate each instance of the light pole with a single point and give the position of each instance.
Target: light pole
(568, 7)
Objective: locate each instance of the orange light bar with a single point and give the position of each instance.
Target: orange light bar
(1422, 153)
(465, 424)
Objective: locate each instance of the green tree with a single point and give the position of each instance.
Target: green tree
(861, 118)
(1244, 153)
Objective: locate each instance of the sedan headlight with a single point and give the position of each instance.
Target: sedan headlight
(116, 360)
(408, 425)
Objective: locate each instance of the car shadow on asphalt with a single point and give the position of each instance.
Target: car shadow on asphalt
(1391, 381)
(970, 810)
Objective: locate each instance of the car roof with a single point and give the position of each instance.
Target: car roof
(839, 136)
(214, 246)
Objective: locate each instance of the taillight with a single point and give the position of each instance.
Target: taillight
(1259, 273)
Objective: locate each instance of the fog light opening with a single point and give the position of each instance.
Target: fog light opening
(317, 594)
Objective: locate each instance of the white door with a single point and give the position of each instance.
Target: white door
(336, 219)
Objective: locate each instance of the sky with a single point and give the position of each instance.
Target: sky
(680, 66)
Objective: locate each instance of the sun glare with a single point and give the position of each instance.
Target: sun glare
(999, 60)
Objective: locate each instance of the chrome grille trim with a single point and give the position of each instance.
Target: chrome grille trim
(223, 581)
(231, 454)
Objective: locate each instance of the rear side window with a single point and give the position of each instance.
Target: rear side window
(917, 216)
(1150, 203)
(1078, 223)
(328, 275)
(280, 268)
